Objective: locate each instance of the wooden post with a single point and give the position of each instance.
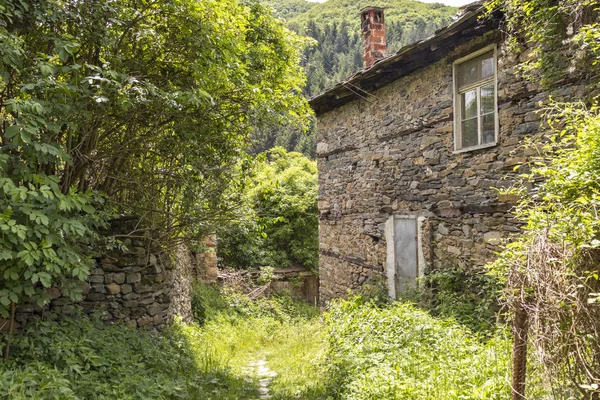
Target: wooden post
(519, 357)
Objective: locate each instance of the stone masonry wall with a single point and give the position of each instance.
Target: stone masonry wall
(206, 261)
(392, 153)
(142, 287)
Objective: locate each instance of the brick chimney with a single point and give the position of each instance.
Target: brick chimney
(373, 34)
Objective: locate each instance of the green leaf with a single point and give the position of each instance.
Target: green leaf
(6, 254)
(12, 131)
(45, 279)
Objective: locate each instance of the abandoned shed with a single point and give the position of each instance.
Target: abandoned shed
(411, 149)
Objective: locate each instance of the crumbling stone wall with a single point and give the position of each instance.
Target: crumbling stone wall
(142, 286)
(207, 269)
(137, 286)
(392, 153)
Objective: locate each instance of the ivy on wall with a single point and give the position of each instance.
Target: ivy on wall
(551, 270)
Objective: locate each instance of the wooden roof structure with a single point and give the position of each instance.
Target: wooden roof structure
(470, 24)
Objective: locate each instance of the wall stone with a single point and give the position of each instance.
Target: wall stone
(181, 280)
(207, 270)
(392, 153)
(142, 286)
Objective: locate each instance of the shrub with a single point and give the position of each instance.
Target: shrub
(207, 302)
(551, 270)
(401, 352)
(278, 225)
(83, 358)
(470, 297)
(210, 303)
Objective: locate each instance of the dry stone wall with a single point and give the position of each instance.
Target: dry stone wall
(141, 286)
(392, 154)
(207, 270)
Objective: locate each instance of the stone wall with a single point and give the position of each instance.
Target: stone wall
(297, 281)
(206, 261)
(392, 154)
(142, 286)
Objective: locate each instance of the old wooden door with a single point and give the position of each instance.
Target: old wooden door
(402, 256)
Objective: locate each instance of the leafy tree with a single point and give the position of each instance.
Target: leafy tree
(279, 221)
(46, 228)
(149, 114)
(288, 9)
(290, 137)
(149, 103)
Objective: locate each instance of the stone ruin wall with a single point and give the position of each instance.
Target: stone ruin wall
(206, 261)
(392, 154)
(142, 286)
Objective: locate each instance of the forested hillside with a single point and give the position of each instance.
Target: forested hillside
(337, 50)
(335, 25)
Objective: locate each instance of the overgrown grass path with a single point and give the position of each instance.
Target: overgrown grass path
(265, 349)
(357, 350)
(265, 376)
(281, 359)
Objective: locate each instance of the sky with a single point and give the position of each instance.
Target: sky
(455, 3)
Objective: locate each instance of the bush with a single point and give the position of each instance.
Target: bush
(211, 304)
(278, 223)
(401, 352)
(83, 358)
(470, 297)
(551, 270)
(207, 302)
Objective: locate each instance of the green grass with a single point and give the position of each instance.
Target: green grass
(289, 335)
(293, 349)
(400, 352)
(83, 358)
(357, 350)
(360, 350)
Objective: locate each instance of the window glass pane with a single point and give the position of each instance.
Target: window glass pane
(469, 104)
(468, 72)
(487, 98)
(488, 127)
(470, 135)
(476, 69)
(487, 65)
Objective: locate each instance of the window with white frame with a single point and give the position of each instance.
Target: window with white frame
(475, 104)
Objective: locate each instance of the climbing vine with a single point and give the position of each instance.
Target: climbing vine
(560, 37)
(551, 270)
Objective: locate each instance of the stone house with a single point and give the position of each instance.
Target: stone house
(411, 148)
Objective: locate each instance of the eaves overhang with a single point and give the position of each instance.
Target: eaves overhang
(472, 23)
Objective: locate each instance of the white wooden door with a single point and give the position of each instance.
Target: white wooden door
(402, 255)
